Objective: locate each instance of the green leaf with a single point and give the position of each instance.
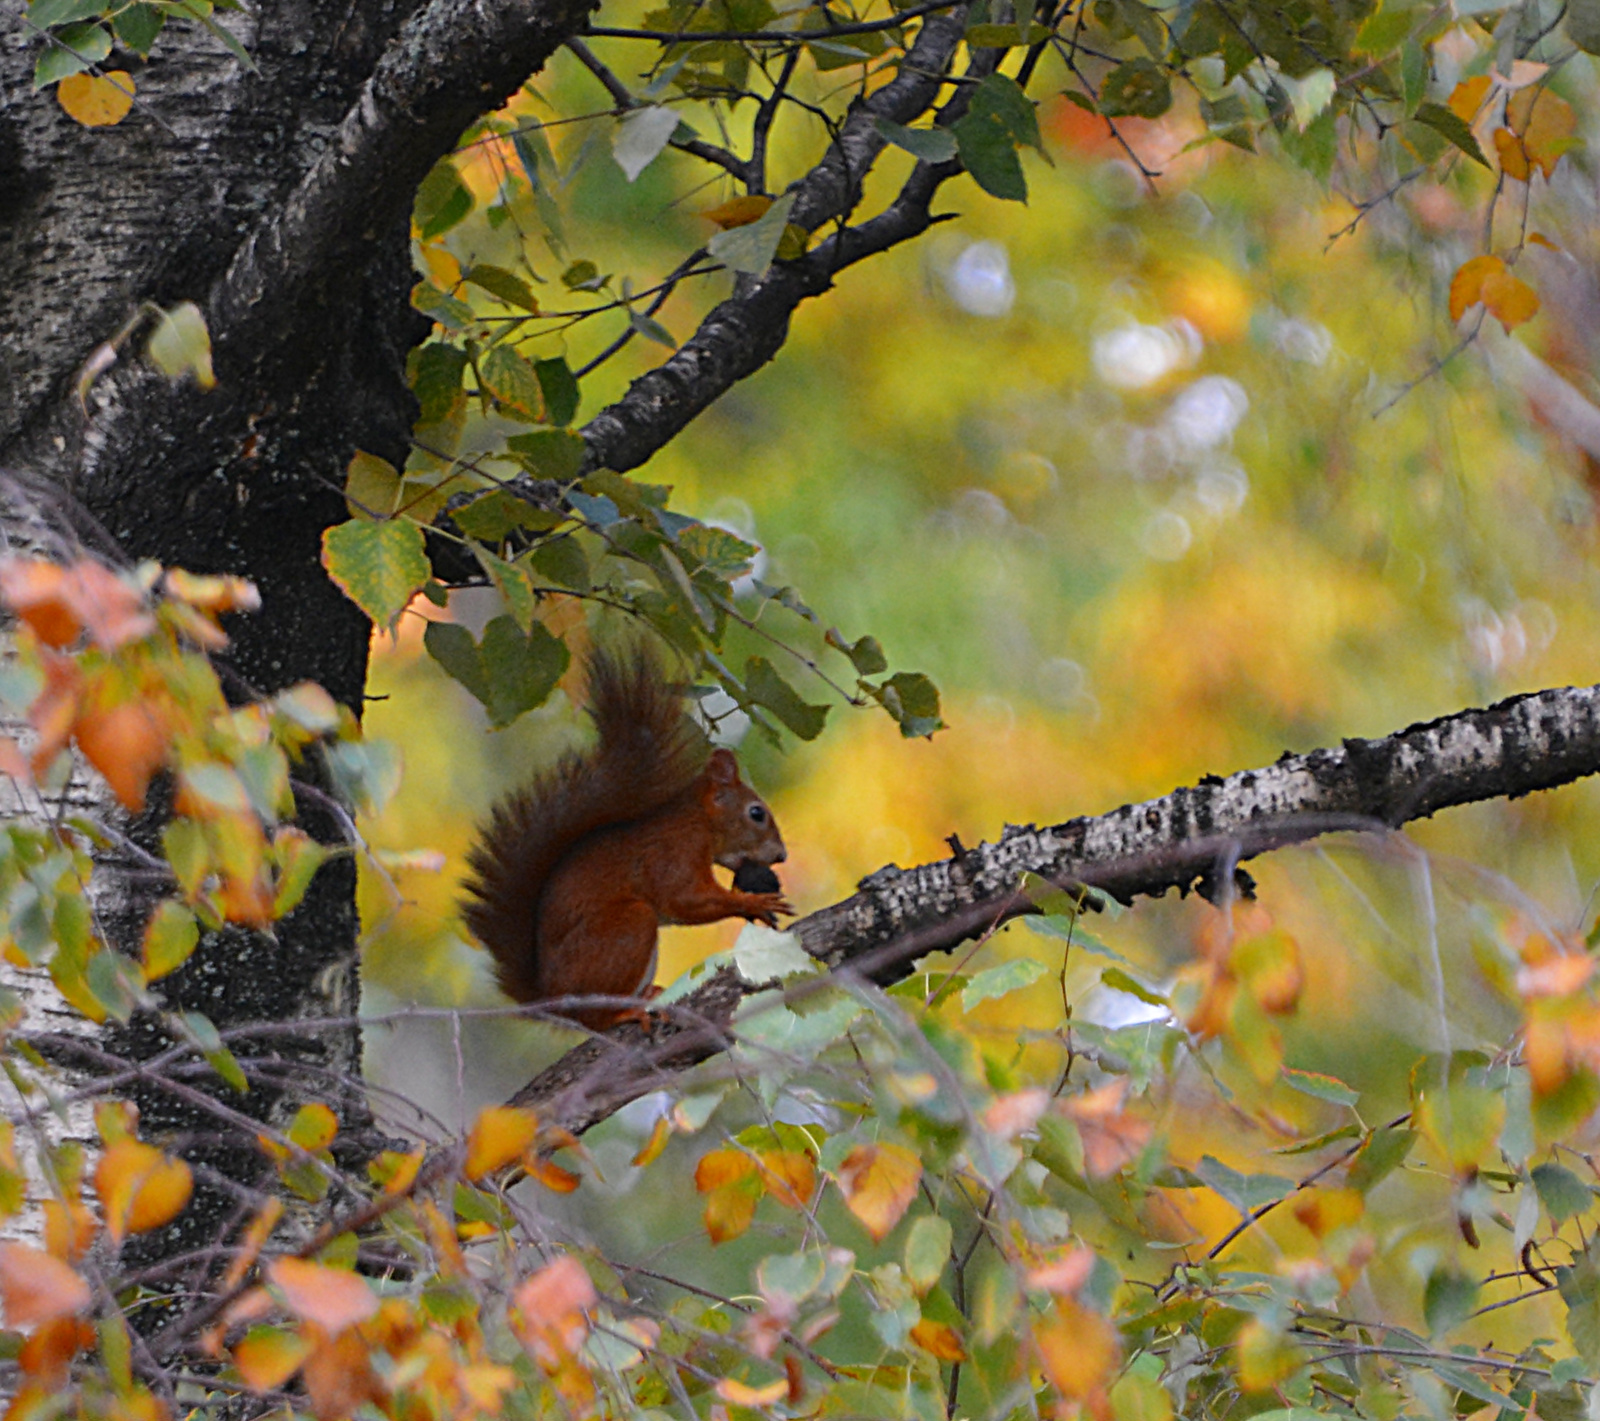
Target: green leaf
(500, 512)
(516, 591)
(380, 566)
(652, 329)
(442, 201)
(203, 1034)
(509, 377)
(70, 50)
(1120, 981)
(450, 311)
(990, 155)
(366, 773)
(717, 550)
(1583, 24)
(1329, 1088)
(1561, 1192)
(299, 857)
(549, 453)
(181, 345)
(931, 145)
(1006, 36)
(751, 248)
(1000, 980)
(768, 689)
(560, 389)
(866, 653)
(435, 372)
(1140, 88)
(1246, 1192)
(169, 937)
(564, 562)
(1450, 125)
(927, 1251)
(1383, 1152)
(137, 26)
(913, 700)
(504, 285)
(582, 276)
(1448, 1300)
(1384, 30)
(44, 13)
(510, 671)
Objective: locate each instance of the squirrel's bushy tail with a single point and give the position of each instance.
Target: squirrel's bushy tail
(648, 753)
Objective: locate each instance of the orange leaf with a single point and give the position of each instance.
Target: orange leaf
(212, 594)
(551, 1175)
(789, 1175)
(1065, 1275)
(551, 1305)
(36, 1288)
(330, 1297)
(1111, 1138)
(338, 1377)
(1078, 1349)
(879, 1183)
(732, 1185)
(36, 591)
(500, 1135)
(738, 211)
(1466, 286)
(127, 743)
(69, 1229)
(397, 1172)
(268, 1356)
(1546, 124)
(140, 1188)
(46, 1354)
(1509, 299)
(650, 1151)
(1513, 156)
(939, 1338)
(1467, 97)
(97, 101)
(252, 1241)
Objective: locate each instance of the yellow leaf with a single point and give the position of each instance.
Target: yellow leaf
(1513, 156)
(650, 1151)
(1265, 1356)
(397, 1172)
(732, 1185)
(736, 1393)
(1509, 299)
(69, 1229)
(1546, 123)
(268, 1356)
(1324, 1210)
(939, 1338)
(169, 937)
(738, 211)
(36, 1288)
(140, 1188)
(500, 1135)
(1466, 286)
(313, 1127)
(879, 1183)
(1467, 97)
(329, 1297)
(97, 101)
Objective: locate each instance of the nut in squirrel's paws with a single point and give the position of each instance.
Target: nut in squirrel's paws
(753, 877)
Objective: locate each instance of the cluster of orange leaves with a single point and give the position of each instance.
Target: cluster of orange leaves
(122, 661)
(1561, 1035)
(43, 1292)
(1539, 126)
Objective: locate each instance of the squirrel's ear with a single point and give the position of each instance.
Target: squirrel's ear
(722, 768)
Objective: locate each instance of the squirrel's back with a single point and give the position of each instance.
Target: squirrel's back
(647, 754)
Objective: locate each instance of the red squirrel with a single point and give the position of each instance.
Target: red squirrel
(574, 872)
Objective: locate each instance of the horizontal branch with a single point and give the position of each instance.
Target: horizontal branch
(1193, 836)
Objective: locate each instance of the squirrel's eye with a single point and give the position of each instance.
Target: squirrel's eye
(758, 813)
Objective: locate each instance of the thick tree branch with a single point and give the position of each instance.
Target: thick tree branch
(741, 334)
(452, 62)
(1193, 836)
